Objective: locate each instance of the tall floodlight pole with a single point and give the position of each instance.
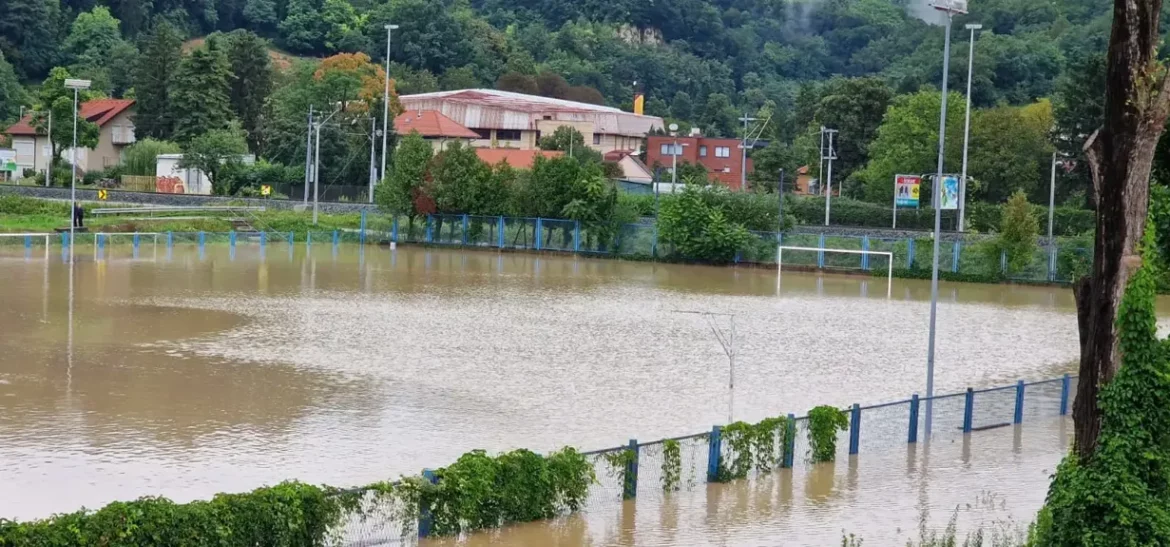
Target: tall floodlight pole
(373, 168)
(950, 7)
(1051, 199)
(309, 156)
(76, 86)
(385, 104)
(780, 202)
(967, 130)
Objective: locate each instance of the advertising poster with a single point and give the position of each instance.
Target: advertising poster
(906, 190)
(950, 193)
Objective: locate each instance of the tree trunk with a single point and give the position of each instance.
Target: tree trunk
(1120, 156)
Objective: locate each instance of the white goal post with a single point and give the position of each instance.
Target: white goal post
(889, 256)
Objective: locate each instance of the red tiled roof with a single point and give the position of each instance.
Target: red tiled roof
(520, 159)
(431, 123)
(99, 111)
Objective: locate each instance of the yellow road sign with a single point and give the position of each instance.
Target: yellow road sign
(265, 190)
(103, 194)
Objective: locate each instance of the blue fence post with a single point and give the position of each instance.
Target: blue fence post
(955, 251)
(101, 240)
(202, 238)
(425, 520)
(865, 257)
(714, 453)
(170, 239)
(27, 242)
(308, 238)
(135, 241)
(362, 232)
(913, 435)
(577, 236)
(1052, 262)
(968, 410)
(394, 229)
(232, 239)
(821, 254)
(336, 238)
(1019, 417)
(500, 230)
(263, 239)
(64, 239)
(430, 236)
(855, 429)
(789, 442)
(654, 241)
(910, 254)
(630, 487)
(466, 225)
(539, 226)
(1065, 383)
(291, 236)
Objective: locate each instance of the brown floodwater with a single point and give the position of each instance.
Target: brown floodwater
(187, 373)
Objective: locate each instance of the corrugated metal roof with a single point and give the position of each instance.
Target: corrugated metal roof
(491, 109)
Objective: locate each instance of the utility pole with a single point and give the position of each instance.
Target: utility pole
(780, 201)
(832, 155)
(309, 156)
(316, 171)
(1051, 198)
(743, 152)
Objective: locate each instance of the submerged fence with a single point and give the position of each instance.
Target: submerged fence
(654, 469)
(975, 259)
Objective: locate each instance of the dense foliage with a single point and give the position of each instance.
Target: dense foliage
(1120, 495)
(760, 446)
(1017, 235)
(823, 424)
(696, 227)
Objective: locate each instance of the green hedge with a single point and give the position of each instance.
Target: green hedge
(290, 514)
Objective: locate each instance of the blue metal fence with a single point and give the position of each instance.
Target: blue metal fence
(1055, 262)
(883, 426)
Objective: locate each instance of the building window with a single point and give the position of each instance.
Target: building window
(703, 151)
(507, 134)
(722, 151)
(485, 134)
(597, 138)
(666, 149)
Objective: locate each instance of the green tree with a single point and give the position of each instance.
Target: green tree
(95, 48)
(459, 78)
(907, 143)
(565, 138)
(1118, 495)
(409, 81)
(12, 94)
(1010, 152)
(516, 82)
(214, 152)
(303, 30)
(29, 35)
(54, 96)
(141, 157)
(455, 173)
(698, 231)
(718, 118)
(551, 84)
(261, 15)
(401, 191)
(160, 59)
(439, 44)
(251, 80)
(855, 108)
(1017, 234)
(200, 92)
(343, 27)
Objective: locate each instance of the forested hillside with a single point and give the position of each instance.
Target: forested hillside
(848, 64)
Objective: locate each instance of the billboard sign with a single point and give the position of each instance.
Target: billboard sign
(950, 193)
(906, 190)
(7, 159)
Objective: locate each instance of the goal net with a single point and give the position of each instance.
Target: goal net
(885, 258)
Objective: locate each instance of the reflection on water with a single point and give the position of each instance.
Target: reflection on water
(197, 372)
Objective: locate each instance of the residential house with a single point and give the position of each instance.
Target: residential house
(502, 119)
(115, 118)
(633, 169)
(519, 159)
(434, 127)
(721, 157)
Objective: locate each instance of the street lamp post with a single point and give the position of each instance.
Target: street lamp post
(317, 162)
(674, 157)
(385, 104)
(76, 86)
(950, 7)
(967, 130)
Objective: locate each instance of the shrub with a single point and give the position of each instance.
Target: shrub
(823, 424)
(1017, 234)
(697, 229)
(141, 157)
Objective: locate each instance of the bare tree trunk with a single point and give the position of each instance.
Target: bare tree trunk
(1120, 156)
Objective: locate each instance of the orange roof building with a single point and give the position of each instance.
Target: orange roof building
(114, 118)
(519, 159)
(431, 124)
